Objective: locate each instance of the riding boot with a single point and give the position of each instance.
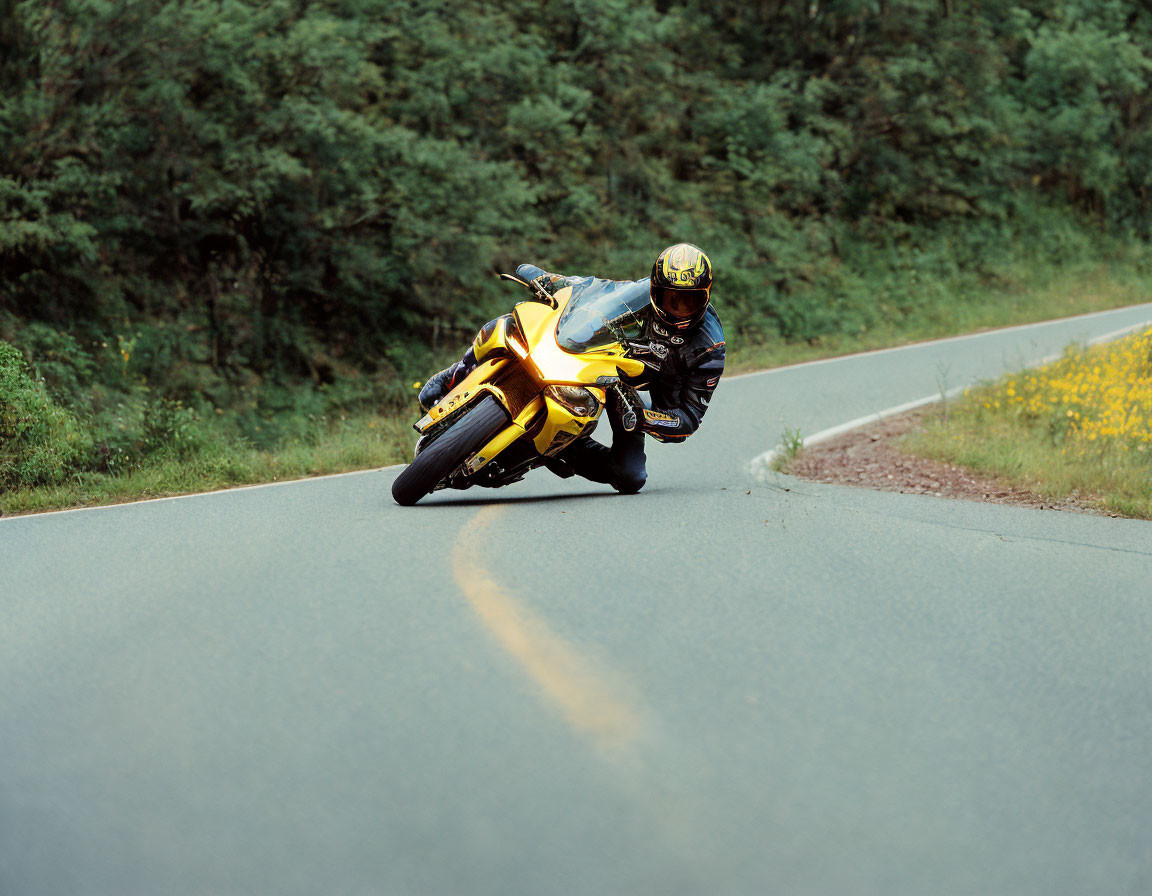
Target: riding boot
(440, 384)
(560, 467)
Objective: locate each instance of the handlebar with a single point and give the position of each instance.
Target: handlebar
(539, 293)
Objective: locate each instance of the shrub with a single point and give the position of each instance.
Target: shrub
(41, 443)
(58, 357)
(171, 428)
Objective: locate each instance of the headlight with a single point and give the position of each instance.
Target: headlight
(577, 399)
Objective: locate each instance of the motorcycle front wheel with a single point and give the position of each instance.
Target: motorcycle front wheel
(449, 450)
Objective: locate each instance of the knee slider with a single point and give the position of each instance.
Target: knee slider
(629, 483)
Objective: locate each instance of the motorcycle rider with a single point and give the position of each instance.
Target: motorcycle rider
(681, 345)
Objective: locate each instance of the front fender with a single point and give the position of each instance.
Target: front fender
(473, 386)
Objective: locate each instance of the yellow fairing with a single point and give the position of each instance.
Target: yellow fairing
(549, 424)
(468, 388)
(561, 427)
(552, 363)
(495, 341)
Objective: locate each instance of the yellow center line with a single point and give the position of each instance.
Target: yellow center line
(566, 678)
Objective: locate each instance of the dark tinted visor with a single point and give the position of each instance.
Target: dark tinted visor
(681, 304)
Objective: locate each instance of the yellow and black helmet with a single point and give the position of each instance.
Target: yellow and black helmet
(681, 283)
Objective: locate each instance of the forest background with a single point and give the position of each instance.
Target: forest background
(233, 233)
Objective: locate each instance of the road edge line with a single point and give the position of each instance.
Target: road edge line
(218, 491)
(761, 465)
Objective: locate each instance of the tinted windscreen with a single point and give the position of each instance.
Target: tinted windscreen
(600, 313)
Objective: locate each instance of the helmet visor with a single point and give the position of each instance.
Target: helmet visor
(680, 304)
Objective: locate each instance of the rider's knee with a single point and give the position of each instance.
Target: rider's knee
(630, 483)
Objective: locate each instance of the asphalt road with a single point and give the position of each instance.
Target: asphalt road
(721, 685)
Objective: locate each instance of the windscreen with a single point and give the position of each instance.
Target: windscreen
(600, 313)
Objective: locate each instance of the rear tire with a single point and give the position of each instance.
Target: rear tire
(463, 438)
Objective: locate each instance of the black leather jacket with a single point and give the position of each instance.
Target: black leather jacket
(683, 367)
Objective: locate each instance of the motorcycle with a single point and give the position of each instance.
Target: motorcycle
(542, 382)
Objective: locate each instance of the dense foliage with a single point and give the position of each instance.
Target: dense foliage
(39, 441)
(216, 201)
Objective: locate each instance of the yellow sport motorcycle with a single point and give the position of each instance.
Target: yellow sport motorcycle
(542, 381)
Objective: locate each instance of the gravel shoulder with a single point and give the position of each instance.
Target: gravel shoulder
(872, 457)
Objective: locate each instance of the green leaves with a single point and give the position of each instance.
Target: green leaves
(40, 442)
(294, 187)
(1085, 85)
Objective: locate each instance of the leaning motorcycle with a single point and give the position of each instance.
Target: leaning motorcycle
(542, 382)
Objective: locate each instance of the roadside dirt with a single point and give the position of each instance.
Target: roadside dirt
(871, 457)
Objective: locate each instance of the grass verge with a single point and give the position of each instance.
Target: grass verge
(1081, 426)
(357, 443)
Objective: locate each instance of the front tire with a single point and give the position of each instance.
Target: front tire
(462, 439)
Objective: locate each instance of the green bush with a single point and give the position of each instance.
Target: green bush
(171, 429)
(58, 358)
(41, 443)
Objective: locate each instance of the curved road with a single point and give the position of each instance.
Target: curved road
(721, 685)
